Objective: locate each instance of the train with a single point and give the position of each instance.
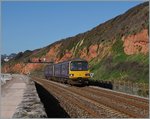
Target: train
(75, 71)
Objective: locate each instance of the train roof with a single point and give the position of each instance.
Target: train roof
(75, 59)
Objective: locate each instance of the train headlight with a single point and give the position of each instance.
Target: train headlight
(71, 74)
(88, 74)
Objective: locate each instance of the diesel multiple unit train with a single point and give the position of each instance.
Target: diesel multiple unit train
(74, 71)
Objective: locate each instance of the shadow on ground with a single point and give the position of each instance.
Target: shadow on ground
(103, 84)
(51, 104)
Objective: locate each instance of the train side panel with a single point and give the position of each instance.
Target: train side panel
(65, 70)
(61, 70)
(57, 70)
(48, 71)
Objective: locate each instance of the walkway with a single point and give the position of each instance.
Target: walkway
(11, 95)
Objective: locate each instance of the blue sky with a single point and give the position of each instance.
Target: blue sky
(32, 25)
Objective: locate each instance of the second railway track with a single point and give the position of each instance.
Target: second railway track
(96, 102)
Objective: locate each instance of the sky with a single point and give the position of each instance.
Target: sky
(32, 25)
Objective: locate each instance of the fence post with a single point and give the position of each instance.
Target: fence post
(124, 86)
(129, 87)
(132, 87)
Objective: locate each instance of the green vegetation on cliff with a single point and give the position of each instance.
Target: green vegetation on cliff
(119, 66)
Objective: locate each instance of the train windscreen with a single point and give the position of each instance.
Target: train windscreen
(79, 66)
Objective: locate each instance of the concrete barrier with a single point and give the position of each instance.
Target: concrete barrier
(4, 78)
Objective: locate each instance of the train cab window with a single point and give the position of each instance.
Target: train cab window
(79, 66)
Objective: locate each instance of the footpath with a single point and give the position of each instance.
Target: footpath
(18, 97)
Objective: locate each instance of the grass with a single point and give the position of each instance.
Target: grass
(119, 66)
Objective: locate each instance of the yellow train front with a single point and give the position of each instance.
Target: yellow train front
(74, 71)
(79, 71)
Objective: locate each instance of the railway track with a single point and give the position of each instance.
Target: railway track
(96, 102)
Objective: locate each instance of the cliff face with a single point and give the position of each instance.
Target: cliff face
(112, 48)
(135, 44)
